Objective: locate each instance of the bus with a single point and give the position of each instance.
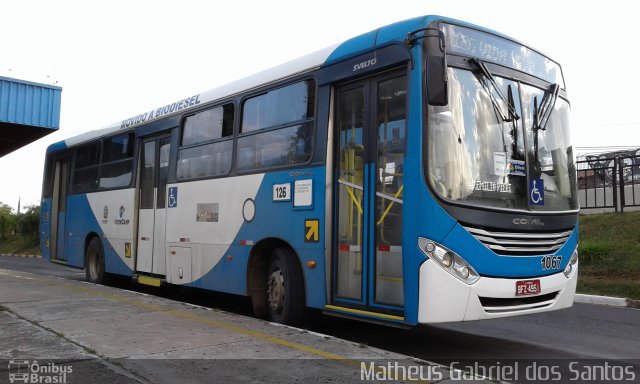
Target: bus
(419, 173)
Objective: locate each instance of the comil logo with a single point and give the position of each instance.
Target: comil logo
(25, 371)
(524, 221)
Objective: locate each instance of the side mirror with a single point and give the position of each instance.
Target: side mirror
(436, 67)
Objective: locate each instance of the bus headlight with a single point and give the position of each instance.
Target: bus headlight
(448, 260)
(572, 264)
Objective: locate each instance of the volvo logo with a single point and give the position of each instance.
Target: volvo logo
(525, 221)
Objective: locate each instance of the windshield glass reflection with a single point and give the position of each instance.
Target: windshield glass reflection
(477, 158)
(551, 158)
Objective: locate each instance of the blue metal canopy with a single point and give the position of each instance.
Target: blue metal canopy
(28, 111)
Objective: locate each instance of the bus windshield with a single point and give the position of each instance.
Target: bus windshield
(477, 157)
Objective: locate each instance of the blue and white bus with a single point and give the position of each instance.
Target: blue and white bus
(419, 173)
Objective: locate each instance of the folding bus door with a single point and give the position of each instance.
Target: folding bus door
(370, 137)
(59, 209)
(154, 159)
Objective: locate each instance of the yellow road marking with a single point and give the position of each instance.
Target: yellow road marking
(219, 324)
(199, 319)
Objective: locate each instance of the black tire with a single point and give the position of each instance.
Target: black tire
(94, 262)
(285, 288)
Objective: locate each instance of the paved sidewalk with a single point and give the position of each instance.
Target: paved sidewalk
(109, 335)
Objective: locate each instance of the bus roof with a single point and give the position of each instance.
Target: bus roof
(349, 48)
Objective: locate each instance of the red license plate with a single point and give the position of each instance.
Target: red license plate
(527, 287)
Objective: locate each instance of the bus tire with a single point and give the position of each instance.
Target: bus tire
(285, 294)
(94, 262)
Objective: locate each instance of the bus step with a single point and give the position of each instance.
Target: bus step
(147, 280)
(371, 317)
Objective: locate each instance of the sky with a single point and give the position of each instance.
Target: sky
(117, 59)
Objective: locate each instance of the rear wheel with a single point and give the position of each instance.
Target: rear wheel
(285, 294)
(94, 262)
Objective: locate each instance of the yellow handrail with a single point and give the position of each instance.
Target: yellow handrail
(386, 211)
(353, 197)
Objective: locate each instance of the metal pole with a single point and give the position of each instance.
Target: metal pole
(621, 172)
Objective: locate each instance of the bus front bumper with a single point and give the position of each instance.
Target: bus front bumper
(444, 298)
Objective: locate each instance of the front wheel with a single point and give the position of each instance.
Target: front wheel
(94, 262)
(285, 288)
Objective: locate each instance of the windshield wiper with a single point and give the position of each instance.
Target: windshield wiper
(512, 114)
(542, 112)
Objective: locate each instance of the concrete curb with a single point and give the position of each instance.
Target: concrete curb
(607, 300)
(30, 256)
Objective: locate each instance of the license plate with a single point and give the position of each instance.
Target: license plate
(527, 287)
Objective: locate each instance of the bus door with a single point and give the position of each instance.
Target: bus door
(154, 170)
(59, 209)
(370, 133)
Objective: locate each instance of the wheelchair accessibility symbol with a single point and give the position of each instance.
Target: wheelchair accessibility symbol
(536, 191)
(173, 197)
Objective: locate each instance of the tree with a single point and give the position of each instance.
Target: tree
(28, 222)
(7, 222)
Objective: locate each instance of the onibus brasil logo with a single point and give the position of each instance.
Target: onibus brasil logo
(25, 371)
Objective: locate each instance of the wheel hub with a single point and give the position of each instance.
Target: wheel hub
(275, 291)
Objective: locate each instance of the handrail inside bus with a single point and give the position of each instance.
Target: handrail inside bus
(393, 201)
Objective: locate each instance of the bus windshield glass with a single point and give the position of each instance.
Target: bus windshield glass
(477, 157)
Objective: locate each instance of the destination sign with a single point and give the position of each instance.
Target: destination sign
(492, 48)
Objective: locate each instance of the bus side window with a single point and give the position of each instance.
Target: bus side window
(116, 167)
(85, 175)
(206, 143)
(277, 127)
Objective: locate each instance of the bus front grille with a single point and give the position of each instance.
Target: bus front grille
(520, 243)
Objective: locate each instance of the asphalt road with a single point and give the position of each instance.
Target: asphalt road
(584, 331)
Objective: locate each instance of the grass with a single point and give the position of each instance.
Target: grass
(19, 246)
(610, 255)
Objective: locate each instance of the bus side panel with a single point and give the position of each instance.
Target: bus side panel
(302, 226)
(115, 215)
(202, 222)
(82, 220)
(220, 249)
(45, 227)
